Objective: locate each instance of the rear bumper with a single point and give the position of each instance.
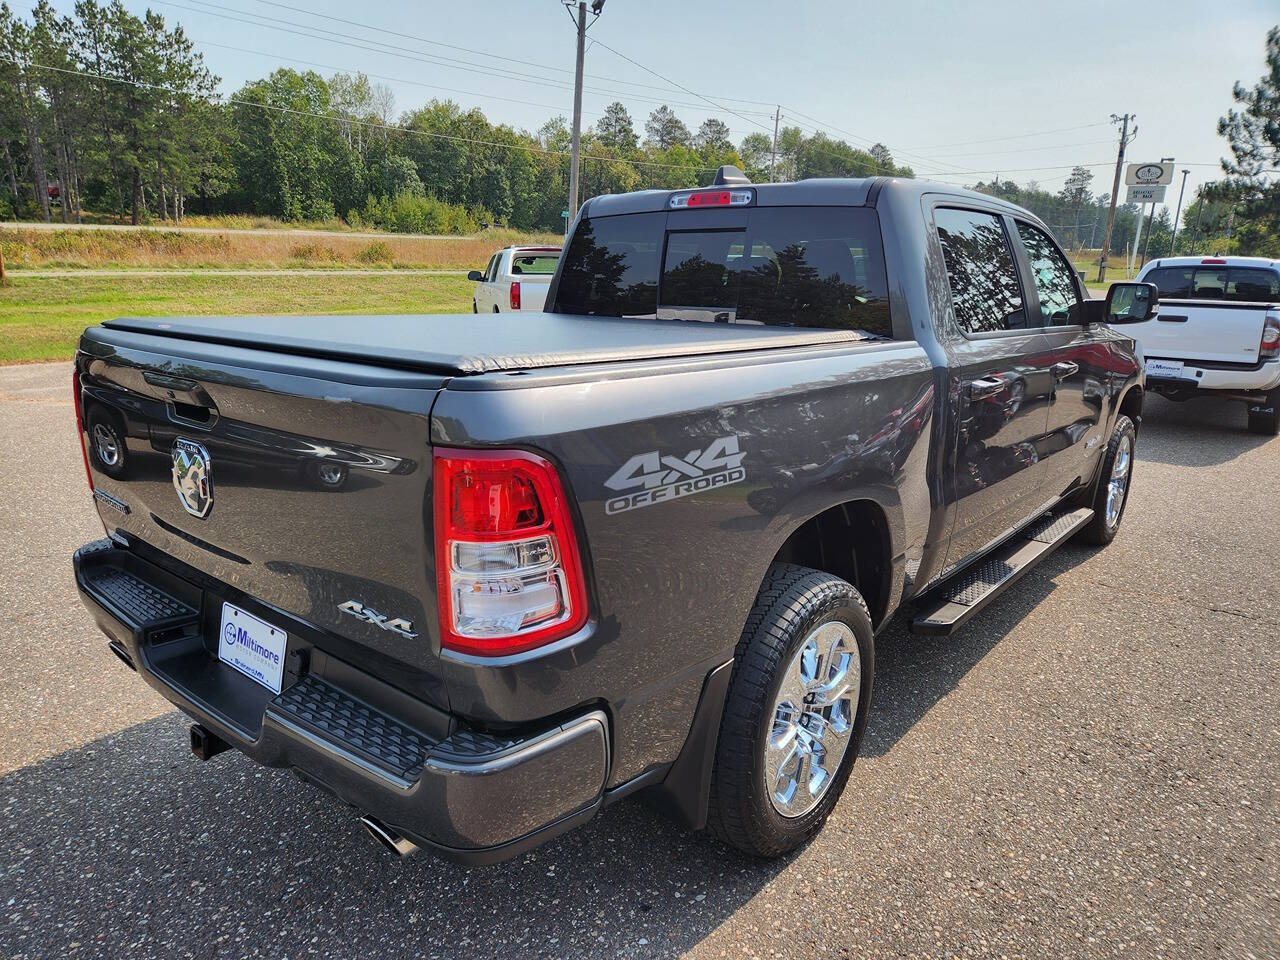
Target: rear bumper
(1259, 378)
(467, 795)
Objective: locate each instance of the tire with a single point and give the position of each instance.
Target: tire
(106, 439)
(1102, 529)
(475, 307)
(1264, 417)
(495, 309)
(748, 807)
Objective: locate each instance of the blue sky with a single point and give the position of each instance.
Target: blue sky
(936, 82)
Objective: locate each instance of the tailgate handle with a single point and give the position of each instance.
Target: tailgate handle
(1172, 318)
(166, 382)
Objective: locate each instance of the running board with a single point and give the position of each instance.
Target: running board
(949, 607)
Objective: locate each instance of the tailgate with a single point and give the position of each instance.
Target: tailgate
(1198, 330)
(304, 481)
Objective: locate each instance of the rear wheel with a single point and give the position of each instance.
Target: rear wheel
(106, 443)
(795, 712)
(495, 308)
(1264, 417)
(475, 307)
(1112, 493)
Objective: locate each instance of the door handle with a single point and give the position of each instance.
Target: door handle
(1171, 318)
(985, 387)
(1065, 369)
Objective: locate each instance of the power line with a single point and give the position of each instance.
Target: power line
(494, 56)
(1016, 136)
(370, 124)
(385, 49)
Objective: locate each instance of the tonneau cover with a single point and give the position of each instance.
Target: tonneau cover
(467, 343)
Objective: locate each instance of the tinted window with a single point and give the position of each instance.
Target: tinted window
(984, 284)
(611, 267)
(1054, 277)
(785, 266)
(1174, 283)
(1236, 284)
(491, 271)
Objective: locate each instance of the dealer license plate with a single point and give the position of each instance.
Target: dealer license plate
(252, 646)
(1165, 369)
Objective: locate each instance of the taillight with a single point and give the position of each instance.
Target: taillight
(1270, 345)
(509, 575)
(515, 294)
(84, 450)
(710, 198)
(1217, 261)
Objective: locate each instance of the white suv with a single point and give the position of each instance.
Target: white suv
(515, 279)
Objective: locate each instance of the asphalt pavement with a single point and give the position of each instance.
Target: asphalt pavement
(1089, 769)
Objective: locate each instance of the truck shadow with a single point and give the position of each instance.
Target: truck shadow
(130, 847)
(914, 672)
(1194, 433)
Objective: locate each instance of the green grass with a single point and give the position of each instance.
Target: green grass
(42, 318)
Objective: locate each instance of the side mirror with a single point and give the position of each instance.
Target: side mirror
(475, 275)
(1131, 303)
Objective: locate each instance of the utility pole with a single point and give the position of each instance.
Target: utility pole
(577, 113)
(1173, 244)
(1115, 189)
(773, 157)
(1195, 230)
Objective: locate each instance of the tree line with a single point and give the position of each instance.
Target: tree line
(116, 114)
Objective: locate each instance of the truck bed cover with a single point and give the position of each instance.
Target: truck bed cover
(450, 343)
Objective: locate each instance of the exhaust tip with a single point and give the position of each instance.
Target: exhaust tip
(389, 838)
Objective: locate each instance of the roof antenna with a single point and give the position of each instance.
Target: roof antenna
(729, 176)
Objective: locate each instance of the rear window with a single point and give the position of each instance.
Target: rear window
(1236, 284)
(781, 266)
(535, 264)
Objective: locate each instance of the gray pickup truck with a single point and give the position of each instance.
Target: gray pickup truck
(479, 576)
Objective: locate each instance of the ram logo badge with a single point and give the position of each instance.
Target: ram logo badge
(661, 477)
(398, 625)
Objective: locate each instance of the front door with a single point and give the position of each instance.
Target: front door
(1000, 385)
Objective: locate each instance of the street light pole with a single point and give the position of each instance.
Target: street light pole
(1173, 244)
(576, 143)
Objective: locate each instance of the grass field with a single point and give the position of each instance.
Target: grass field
(25, 248)
(41, 318)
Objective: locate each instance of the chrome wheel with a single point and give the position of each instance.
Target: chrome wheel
(1118, 482)
(105, 445)
(332, 474)
(813, 719)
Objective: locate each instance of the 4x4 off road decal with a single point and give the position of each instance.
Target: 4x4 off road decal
(656, 477)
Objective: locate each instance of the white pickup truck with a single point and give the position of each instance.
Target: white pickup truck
(516, 278)
(1217, 332)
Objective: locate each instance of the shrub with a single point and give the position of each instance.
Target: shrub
(376, 252)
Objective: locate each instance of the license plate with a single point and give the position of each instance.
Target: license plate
(1166, 369)
(253, 647)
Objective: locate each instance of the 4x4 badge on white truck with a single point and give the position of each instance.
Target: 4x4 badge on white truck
(662, 477)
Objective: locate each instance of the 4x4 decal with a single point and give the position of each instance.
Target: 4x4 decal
(662, 477)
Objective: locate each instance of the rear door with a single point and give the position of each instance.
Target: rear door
(1001, 382)
(1208, 312)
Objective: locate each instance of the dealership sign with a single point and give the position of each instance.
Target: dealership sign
(1148, 174)
(1144, 194)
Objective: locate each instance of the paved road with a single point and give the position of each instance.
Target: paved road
(281, 231)
(1091, 769)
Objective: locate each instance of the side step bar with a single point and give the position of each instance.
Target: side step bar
(949, 607)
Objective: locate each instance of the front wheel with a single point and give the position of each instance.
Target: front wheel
(1264, 417)
(795, 712)
(1112, 493)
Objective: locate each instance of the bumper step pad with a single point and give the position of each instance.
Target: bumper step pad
(353, 727)
(951, 605)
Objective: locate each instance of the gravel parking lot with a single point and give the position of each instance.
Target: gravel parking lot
(1091, 768)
